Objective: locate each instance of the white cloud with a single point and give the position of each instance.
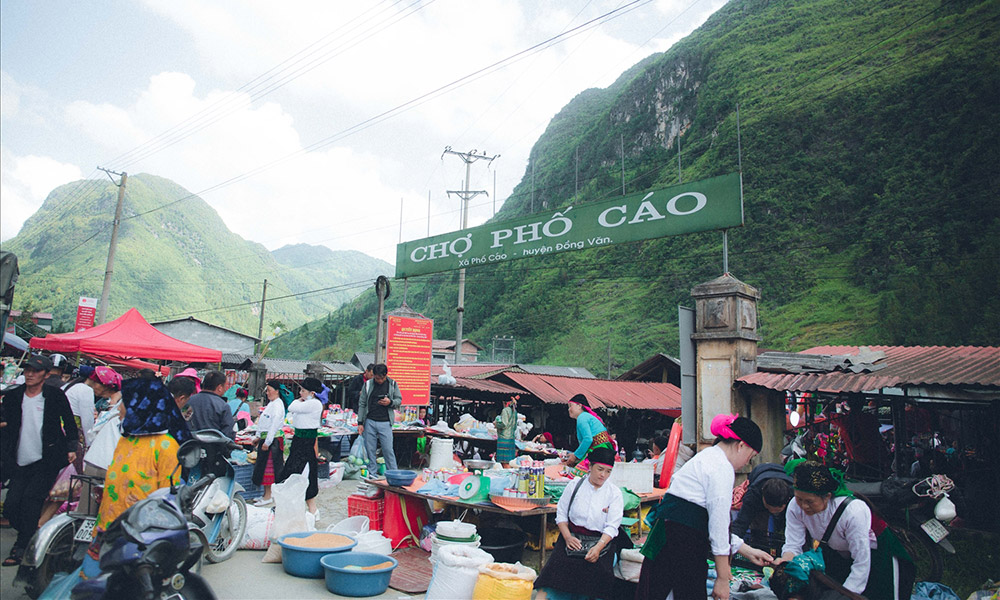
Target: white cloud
(346, 194)
(25, 181)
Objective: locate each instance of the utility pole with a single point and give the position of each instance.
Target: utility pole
(260, 328)
(102, 310)
(465, 195)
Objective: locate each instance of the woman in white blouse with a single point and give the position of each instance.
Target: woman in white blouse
(853, 556)
(589, 512)
(270, 445)
(692, 520)
(306, 412)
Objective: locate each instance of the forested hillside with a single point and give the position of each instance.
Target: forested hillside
(871, 173)
(171, 263)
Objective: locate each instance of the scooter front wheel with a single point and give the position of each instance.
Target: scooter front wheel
(234, 525)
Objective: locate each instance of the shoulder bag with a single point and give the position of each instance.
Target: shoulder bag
(587, 541)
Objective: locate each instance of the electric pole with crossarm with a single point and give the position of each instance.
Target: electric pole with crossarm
(465, 195)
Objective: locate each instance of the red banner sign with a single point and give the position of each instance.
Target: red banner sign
(408, 356)
(86, 312)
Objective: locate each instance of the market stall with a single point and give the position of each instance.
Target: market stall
(126, 338)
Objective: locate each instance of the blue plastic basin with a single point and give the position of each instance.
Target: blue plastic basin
(305, 562)
(353, 582)
(401, 478)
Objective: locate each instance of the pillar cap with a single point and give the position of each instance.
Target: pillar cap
(725, 285)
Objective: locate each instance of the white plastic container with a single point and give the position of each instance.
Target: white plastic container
(637, 477)
(352, 526)
(456, 529)
(437, 544)
(442, 454)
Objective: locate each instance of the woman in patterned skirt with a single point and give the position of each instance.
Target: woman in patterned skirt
(506, 423)
(270, 445)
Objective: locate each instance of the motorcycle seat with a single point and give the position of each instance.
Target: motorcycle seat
(868, 489)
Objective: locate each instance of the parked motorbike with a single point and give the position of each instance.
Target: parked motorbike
(61, 543)
(148, 553)
(918, 511)
(217, 509)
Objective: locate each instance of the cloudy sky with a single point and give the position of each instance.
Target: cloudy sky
(305, 121)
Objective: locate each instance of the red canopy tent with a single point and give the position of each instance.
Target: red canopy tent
(127, 337)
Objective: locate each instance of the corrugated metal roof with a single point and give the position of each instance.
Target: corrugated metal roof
(295, 369)
(486, 385)
(905, 366)
(553, 389)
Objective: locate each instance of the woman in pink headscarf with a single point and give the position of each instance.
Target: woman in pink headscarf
(692, 520)
(590, 431)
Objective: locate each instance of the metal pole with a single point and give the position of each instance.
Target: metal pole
(532, 186)
(466, 194)
(400, 220)
(576, 186)
(428, 213)
(102, 311)
(461, 272)
(260, 328)
(725, 251)
(623, 161)
(381, 290)
(679, 177)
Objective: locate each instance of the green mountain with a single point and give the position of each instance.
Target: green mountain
(174, 262)
(871, 173)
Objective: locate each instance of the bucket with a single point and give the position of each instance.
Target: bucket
(438, 543)
(506, 545)
(441, 454)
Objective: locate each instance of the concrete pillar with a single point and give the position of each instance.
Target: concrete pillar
(726, 348)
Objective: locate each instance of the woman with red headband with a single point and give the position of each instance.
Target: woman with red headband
(692, 520)
(588, 516)
(590, 431)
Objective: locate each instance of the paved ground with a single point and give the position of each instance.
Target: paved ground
(244, 577)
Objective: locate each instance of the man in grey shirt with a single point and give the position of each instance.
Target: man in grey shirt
(209, 409)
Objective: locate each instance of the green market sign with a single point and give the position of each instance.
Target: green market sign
(705, 205)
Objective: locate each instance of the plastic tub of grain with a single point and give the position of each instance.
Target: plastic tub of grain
(358, 574)
(301, 552)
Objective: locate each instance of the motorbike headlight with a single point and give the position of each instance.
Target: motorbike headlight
(155, 514)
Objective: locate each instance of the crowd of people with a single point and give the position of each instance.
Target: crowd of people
(88, 419)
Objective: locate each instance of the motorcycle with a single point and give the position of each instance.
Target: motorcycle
(917, 510)
(61, 543)
(148, 553)
(218, 508)
(151, 550)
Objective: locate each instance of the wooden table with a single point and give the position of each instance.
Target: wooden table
(489, 443)
(544, 511)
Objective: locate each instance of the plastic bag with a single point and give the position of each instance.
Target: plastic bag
(502, 581)
(60, 489)
(630, 564)
(102, 449)
(258, 532)
(336, 473)
(456, 572)
(630, 499)
(356, 459)
(289, 510)
(373, 541)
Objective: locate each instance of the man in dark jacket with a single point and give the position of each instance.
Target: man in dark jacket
(209, 409)
(767, 495)
(354, 385)
(39, 436)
